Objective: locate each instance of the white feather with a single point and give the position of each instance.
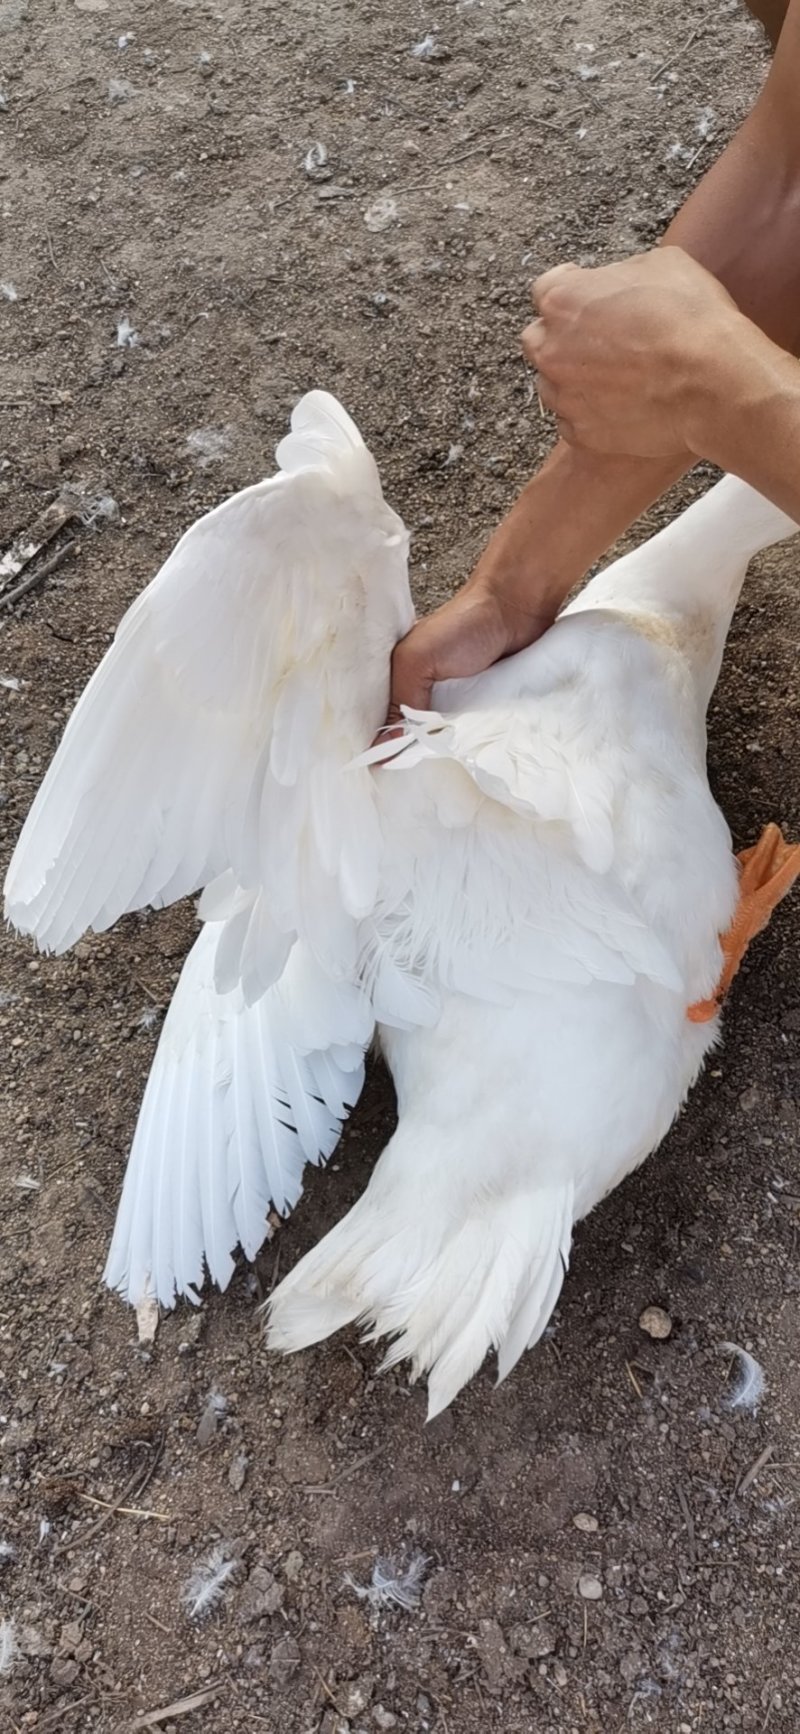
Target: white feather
(395, 1582)
(748, 1390)
(207, 1582)
(231, 1114)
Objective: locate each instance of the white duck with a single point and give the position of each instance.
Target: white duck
(525, 901)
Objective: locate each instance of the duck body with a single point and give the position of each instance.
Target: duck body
(517, 1116)
(522, 896)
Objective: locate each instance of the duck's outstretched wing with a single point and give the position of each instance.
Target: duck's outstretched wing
(239, 1098)
(210, 748)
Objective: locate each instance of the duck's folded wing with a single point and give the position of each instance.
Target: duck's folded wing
(211, 743)
(508, 870)
(236, 1103)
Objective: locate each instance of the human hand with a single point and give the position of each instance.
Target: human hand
(476, 628)
(566, 517)
(629, 356)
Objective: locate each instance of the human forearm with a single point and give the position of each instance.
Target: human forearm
(566, 517)
(749, 421)
(743, 220)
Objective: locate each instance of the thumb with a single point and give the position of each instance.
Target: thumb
(532, 340)
(412, 677)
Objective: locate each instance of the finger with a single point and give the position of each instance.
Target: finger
(550, 280)
(389, 732)
(411, 682)
(566, 431)
(547, 394)
(532, 340)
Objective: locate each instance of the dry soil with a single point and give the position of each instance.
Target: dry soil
(153, 171)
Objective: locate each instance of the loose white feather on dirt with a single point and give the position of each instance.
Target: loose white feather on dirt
(394, 1583)
(750, 1385)
(207, 1582)
(214, 1411)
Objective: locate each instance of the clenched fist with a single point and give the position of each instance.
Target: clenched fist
(629, 355)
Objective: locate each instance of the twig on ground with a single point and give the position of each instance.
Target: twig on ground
(133, 1489)
(181, 1707)
(755, 1469)
(678, 55)
(633, 1379)
(46, 571)
(126, 1510)
(688, 1523)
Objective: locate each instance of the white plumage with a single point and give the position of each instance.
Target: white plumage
(524, 897)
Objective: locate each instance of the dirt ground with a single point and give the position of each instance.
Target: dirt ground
(153, 171)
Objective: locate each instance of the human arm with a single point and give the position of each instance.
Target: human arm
(743, 224)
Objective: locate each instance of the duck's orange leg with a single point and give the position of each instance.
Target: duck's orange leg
(767, 871)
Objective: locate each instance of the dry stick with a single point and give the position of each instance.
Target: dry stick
(62, 637)
(326, 1688)
(353, 1468)
(46, 571)
(181, 1707)
(679, 52)
(158, 1624)
(523, 118)
(30, 542)
(479, 150)
(688, 1522)
(135, 1487)
(633, 1379)
(54, 1716)
(126, 1510)
(755, 1469)
(148, 990)
(693, 159)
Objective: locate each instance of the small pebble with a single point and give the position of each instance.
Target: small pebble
(590, 1588)
(63, 1673)
(584, 1521)
(381, 214)
(656, 1324)
(238, 1472)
